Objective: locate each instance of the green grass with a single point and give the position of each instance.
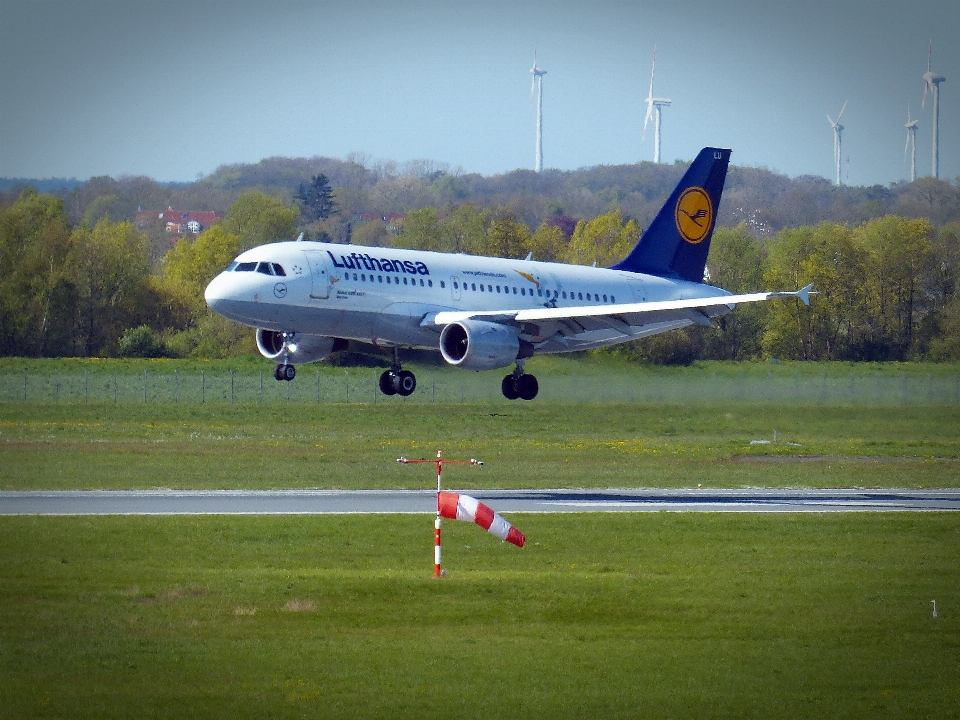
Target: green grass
(600, 615)
(530, 445)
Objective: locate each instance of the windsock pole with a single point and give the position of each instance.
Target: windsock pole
(437, 569)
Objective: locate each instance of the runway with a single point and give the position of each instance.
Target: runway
(322, 502)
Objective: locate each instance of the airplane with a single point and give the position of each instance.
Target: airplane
(308, 299)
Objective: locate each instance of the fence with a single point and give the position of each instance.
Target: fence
(360, 385)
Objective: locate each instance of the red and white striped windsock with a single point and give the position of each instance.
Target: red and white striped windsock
(463, 507)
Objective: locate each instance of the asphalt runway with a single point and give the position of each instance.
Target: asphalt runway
(320, 502)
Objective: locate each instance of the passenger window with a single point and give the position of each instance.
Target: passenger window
(612, 299)
(489, 288)
(442, 284)
(580, 296)
(404, 281)
(604, 298)
(379, 278)
(481, 288)
(498, 288)
(564, 294)
(430, 283)
(473, 286)
(455, 286)
(421, 282)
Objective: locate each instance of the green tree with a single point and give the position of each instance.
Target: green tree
(901, 260)
(421, 230)
(316, 200)
(190, 266)
(604, 240)
(828, 257)
(465, 229)
(506, 236)
(735, 264)
(257, 218)
(36, 303)
(547, 243)
(109, 268)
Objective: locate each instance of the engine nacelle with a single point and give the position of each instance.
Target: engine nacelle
(479, 345)
(300, 348)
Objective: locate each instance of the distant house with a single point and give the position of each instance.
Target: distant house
(179, 222)
(390, 220)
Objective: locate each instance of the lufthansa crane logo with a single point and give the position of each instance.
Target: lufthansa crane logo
(694, 214)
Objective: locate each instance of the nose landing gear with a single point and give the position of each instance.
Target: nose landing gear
(285, 372)
(520, 385)
(397, 381)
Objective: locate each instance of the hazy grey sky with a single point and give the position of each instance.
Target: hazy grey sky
(174, 88)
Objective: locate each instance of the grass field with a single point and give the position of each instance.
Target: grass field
(86, 446)
(599, 615)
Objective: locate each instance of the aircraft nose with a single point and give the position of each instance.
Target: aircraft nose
(217, 293)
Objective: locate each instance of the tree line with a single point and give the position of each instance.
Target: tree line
(888, 286)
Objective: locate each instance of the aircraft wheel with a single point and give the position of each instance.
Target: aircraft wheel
(387, 386)
(527, 387)
(289, 372)
(509, 388)
(406, 383)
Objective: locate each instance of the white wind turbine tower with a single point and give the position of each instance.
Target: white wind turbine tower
(932, 82)
(652, 103)
(837, 129)
(537, 86)
(912, 144)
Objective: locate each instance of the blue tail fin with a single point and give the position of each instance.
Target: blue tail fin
(677, 241)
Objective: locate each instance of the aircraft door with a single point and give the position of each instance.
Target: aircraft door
(639, 291)
(319, 274)
(455, 287)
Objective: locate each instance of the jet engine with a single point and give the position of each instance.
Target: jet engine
(479, 345)
(299, 348)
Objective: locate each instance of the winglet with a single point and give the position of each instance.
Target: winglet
(805, 293)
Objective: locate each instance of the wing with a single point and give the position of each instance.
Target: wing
(624, 318)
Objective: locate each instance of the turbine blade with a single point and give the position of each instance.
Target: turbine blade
(841, 110)
(906, 144)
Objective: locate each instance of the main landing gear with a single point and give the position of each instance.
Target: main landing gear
(519, 385)
(397, 381)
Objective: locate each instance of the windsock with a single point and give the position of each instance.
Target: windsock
(464, 507)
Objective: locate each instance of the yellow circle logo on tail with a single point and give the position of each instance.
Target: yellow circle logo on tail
(694, 214)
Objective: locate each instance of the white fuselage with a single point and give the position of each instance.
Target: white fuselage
(390, 297)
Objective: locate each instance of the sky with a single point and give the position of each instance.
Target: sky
(173, 89)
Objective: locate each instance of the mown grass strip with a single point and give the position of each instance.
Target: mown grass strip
(56, 446)
(600, 615)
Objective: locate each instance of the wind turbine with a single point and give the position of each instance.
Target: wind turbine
(837, 129)
(932, 82)
(911, 143)
(538, 86)
(652, 103)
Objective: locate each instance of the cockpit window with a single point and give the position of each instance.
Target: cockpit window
(245, 267)
(265, 268)
(231, 267)
(278, 269)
